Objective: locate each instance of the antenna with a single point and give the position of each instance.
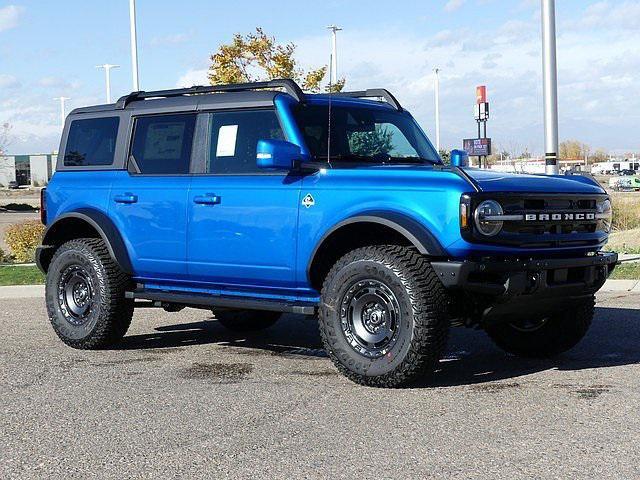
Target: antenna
(329, 123)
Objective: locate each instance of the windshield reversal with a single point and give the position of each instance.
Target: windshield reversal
(363, 135)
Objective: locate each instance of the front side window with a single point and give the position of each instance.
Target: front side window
(234, 137)
(361, 134)
(162, 144)
(91, 142)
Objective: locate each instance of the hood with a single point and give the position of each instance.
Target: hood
(491, 181)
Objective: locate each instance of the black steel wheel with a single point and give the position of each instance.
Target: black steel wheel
(370, 317)
(383, 316)
(85, 295)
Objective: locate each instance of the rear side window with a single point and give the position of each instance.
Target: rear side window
(162, 144)
(91, 142)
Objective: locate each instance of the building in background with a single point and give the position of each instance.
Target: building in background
(28, 170)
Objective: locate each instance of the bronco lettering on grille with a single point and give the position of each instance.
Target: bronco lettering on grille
(558, 217)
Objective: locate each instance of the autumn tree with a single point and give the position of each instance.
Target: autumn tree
(574, 150)
(257, 57)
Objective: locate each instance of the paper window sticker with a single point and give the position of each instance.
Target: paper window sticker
(227, 135)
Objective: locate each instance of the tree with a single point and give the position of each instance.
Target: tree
(599, 156)
(370, 144)
(574, 150)
(257, 57)
(445, 155)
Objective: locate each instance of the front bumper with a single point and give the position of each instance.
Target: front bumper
(508, 286)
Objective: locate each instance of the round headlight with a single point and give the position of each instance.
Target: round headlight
(485, 224)
(604, 215)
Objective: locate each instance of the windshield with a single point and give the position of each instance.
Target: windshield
(363, 135)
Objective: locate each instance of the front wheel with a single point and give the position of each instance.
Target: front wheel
(383, 316)
(546, 336)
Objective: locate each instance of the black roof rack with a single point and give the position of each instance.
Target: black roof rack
(289, 85)
(373, 92)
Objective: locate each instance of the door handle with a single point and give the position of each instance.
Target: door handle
(126, 198)
(208, 199)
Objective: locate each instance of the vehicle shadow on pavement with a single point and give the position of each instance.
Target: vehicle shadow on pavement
(613, 340)
(471, 357)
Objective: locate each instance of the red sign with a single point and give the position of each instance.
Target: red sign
(481, 94)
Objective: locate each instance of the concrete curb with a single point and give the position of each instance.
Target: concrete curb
(22, 291)
(37, 291)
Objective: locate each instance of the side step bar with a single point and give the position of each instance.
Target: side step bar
(208, 301)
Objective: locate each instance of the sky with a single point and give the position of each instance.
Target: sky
(50, 48)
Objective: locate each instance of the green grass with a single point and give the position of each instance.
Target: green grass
(627, 271)
(11, 275)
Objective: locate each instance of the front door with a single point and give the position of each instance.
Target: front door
(242, 220)
(149, 202)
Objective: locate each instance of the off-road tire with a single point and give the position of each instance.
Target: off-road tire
(561, 331)
(109, 314)
(423, 327)
(246, 320)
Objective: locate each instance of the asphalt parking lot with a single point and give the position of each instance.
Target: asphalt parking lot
(182, 397)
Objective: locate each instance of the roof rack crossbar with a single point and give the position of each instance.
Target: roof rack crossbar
(374, 93)
(291, 87)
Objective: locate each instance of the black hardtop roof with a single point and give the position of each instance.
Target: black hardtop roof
(235, 96)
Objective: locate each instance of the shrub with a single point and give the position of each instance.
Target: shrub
(23, 238)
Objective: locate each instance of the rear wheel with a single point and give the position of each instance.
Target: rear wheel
(85, 295)
(541, 337)
(383, 316)
(246, 320)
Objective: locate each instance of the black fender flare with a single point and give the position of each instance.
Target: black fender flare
(102, 224)
(417, 233)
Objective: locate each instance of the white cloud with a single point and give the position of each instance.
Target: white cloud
(193, 77)
(58, 83)
(8, 81)
(173, 39)
(453, 5)
(9, 16)
(617, 14)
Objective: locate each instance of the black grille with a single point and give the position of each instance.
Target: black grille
(543, 234)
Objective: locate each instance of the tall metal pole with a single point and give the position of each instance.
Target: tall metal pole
(550, 77)
(334, 53)
(62, 109)
(134, 45)
(107, 73)
(437, 95)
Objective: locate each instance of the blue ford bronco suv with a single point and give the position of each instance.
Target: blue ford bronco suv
(256, 199)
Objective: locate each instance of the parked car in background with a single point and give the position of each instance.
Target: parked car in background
(627, 172)
(13, 185)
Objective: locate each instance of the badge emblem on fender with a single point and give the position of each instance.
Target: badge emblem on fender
(308, 201)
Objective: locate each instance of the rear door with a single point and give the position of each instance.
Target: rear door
(242, 220)
(149, 201)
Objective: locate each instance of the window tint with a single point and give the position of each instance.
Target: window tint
(91, 142)
(162, 144)
(234, 138)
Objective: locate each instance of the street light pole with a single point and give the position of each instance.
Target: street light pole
(107, 74)
(334, 53)
(62, 110)
(437, 95)
(550, 82)
(134, 45)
